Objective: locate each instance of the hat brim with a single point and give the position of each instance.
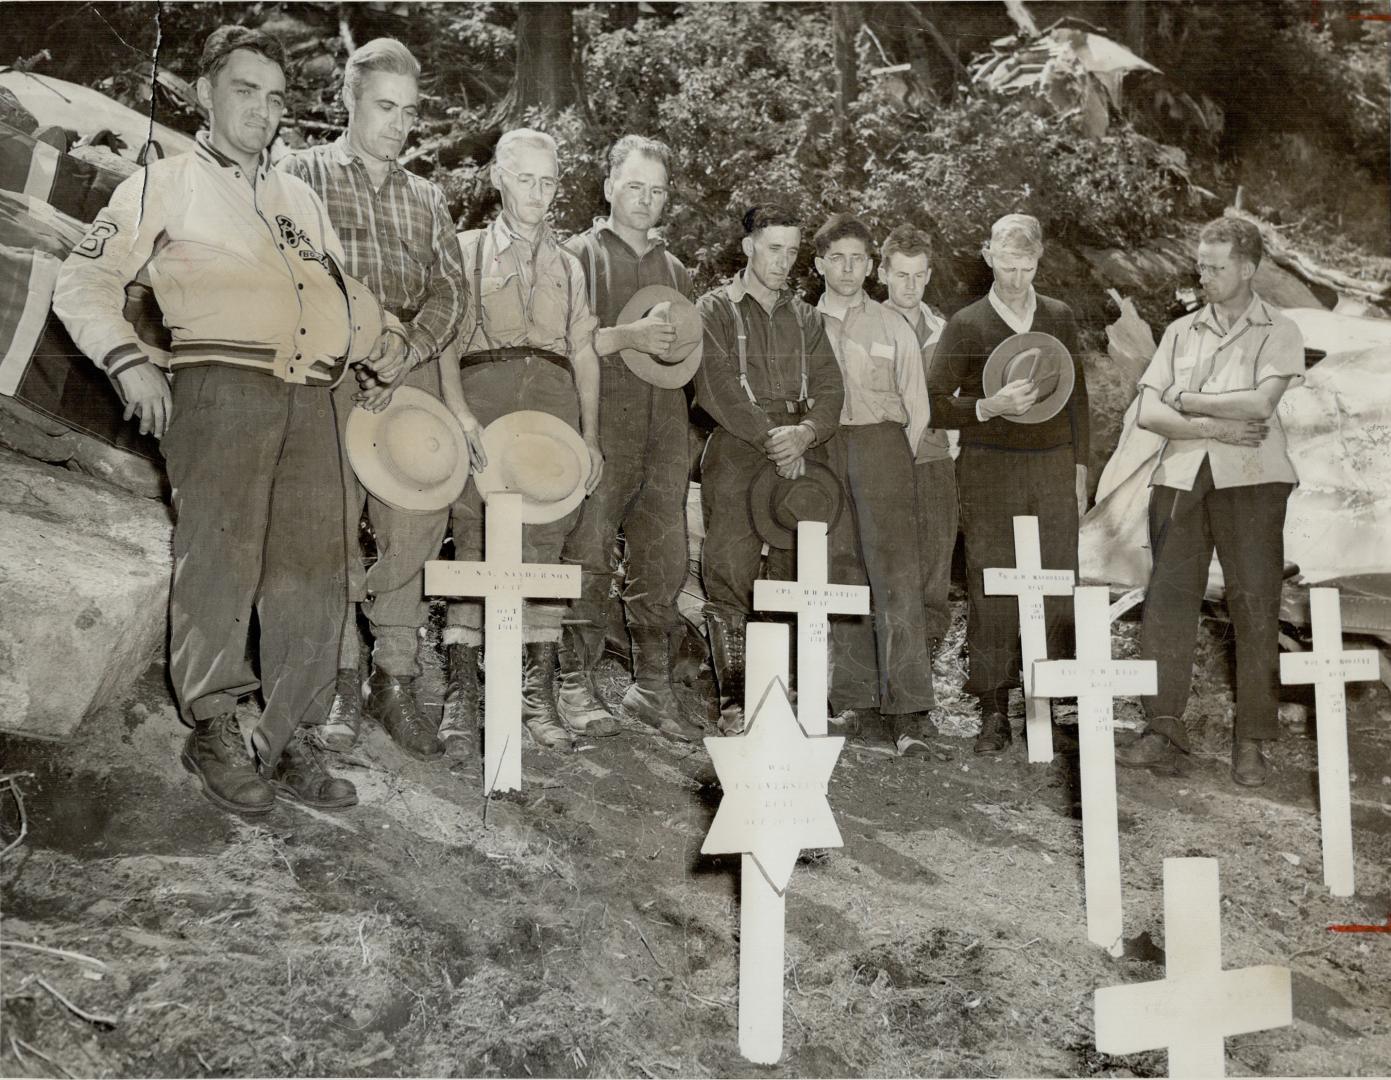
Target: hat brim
(500, 432)
(773, 532)
(993, 377)
(360, 440)
(680, 367)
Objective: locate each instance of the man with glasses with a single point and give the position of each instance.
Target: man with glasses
(399, 239)
(884, 415)
(643, 430)
(525, 341)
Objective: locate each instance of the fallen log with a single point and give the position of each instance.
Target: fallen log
(1303, 267)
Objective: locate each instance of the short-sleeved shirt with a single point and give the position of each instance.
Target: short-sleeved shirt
(1197, 354)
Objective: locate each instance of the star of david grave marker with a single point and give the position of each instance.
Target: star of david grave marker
(505, 582)
(1328, 667)
(1031, 583)
(774, 804)
(1094, 679)
(1192, 1010)
(813, 599)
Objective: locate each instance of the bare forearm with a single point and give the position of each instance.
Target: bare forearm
(1231, 405)
(586, 366)
(451, 382)
(611, 339)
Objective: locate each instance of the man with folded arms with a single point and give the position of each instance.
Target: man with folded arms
(1008, 469)
(399, 239)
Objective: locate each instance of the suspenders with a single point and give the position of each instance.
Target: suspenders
(742, 331)
(478, 296)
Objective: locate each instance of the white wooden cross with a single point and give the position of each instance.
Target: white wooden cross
(1328, 667)
(504, 581)
(1094, 679)
(813, 600)
(1031, 583)
(774, 779)
(1192, 1010)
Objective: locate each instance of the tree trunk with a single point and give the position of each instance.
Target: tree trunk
(845, 24)
(545, 75)
(1135, 26)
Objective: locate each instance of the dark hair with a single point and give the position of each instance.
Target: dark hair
(639, 144)
(226, 40)
(843, 227)
(769, 215)
(1244, 237)
(908, 241)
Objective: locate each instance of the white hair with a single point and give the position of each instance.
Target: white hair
(1018, 234)
(537, 140)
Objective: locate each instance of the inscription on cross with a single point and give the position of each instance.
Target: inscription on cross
(1031, 583)
(1094, 679)
(505, 582)
(1328, 667)
(813, 599)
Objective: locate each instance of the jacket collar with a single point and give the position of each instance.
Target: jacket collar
(736, 290)
(860, 303)
(605, 225)
(209, 152)
(341, 151)
(1257, 313)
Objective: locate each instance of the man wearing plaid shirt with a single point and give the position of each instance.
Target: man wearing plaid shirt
(399, 239)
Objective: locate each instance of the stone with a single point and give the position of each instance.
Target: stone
(84, 594)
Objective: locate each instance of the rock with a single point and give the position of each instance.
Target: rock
(37, 436)
(84, 592)
(1276, 284)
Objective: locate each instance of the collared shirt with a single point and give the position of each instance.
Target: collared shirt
(936, 444)
(398, 239)
(1197, 354)
(880, 365)
(614, 271)
(241, 272)
(530, 295)
(1020, 324)
(780, 345)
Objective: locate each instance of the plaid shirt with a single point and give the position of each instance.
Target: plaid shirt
(399, 240)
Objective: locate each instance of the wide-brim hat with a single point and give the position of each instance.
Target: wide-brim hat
(777, 504)
(678, 367)
(412, 455)
(538, 456)
(1037, 356)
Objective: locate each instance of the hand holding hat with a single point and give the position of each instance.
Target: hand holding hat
(665, 358)
(1028, 378)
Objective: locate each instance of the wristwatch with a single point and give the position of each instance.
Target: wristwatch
(1178, 402)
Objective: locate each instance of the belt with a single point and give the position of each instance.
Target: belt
(779, 408)
(513, 352)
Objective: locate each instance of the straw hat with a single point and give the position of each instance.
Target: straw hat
(678, 367)
(411, 455)
(1037, 356)
(538, 456)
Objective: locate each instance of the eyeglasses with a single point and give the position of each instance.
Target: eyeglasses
(842, 262)
(548, 185)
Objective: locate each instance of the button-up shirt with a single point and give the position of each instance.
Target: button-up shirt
(398, 239)
(1197, 354)
(880, 365)
(781, 344)
(614, 272)
(530, 295)
(936, 443)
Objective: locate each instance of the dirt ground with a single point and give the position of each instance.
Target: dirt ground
(578, 931)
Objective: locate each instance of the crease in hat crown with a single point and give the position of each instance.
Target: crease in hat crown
(416, 447)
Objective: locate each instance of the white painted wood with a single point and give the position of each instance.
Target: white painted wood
(1328, 667)
(1028, 581)
(504, 581)
(1192, 1010)
(1094, 679)
(813, 599)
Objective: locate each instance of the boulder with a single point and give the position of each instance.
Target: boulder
(84, 593)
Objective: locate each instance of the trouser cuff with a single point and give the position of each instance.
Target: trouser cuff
(394, 650)
(463, 635)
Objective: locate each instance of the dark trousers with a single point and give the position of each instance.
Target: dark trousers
(876, 466)
(1246, 526)
(995, 486)
(258, 503)
(938, 521)
(642, 432)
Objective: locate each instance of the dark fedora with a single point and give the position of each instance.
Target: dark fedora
(1037, 356)
(776, 504)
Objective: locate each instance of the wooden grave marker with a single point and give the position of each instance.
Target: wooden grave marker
(1192, 1010)
(813, 599)
(1328, 667)
(1031, 583)
(504, 581)
(1095, 679)
(774, 804)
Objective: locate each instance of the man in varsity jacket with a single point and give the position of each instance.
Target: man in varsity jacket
(244, 265)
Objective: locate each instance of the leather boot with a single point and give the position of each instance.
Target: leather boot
(539, 711)
(339, 731)
(910, 732)
(1249, 767)
(651, 698)
(581, 708)
(215, 753)
(462, 713)
(391, 702)
(1152, 750)
(300, 776)
(726, 631)
(995, 732)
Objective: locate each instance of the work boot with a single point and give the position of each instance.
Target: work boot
(995, 734)
(577, 695)
(652, 699)
(391, 702)
(462, 713)
(300, 776)
(909, 732)
(726, 631)
(215, 753)
(1249, 767)
(339, 731)
(1152, 750)
(540, 713)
